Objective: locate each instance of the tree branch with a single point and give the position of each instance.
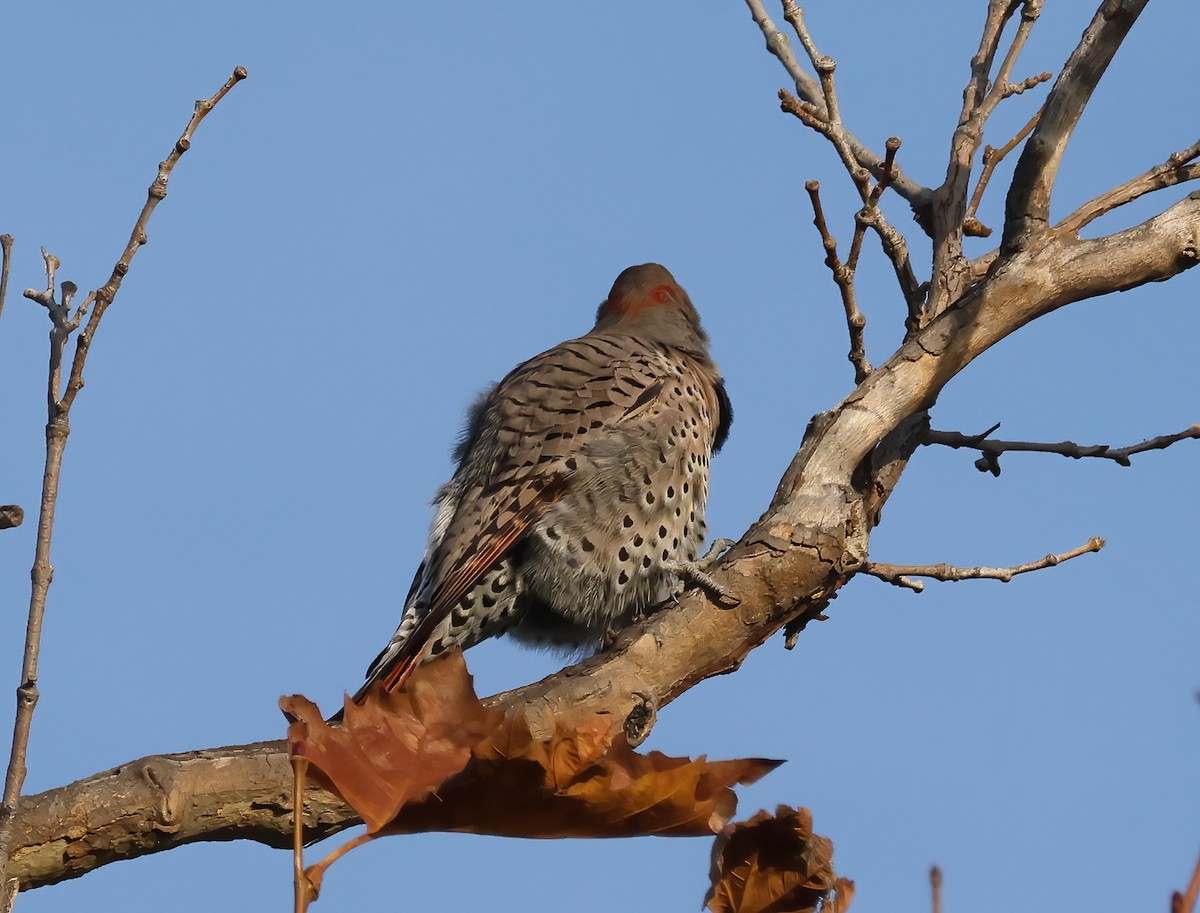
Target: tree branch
(895, 247)
(164, 801)
(1175, 170)
(810, 541)
(900, 574)
(1027, 212)
(991, 448)
(991, 158)
(951, 273)
(1186, 903)
(809, 90)
(6, 243)
(785, 568)
(843, 277)
(63, 323)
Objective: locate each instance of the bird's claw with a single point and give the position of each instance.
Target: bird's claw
(715, 553)
(695, 573)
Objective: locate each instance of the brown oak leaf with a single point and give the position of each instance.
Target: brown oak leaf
(396, 746)
(432, 757)
(585, 782)
(775, 864)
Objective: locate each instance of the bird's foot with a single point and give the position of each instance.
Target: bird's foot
(695, 573)
(714, 553)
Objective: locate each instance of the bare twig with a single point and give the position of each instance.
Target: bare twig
(1029, 82)
(1002, 88)
(1175, 170)
(843, 276)
(998, 14)
(991, 448)
(991, 158)
(827, 117)
(42, 573)
(303, 892)
(935, 888)
(900, 574)
(1027, 212)
(821, 113)
(6, 243)
(866, 216)
(809, 90)
(894, 245)
(11, 515)
(1186, 903)
(156, 193)
(63, 323)
(951, 270)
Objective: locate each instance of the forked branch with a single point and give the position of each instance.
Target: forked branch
(951, 216)
(63, 324)
(1177, 169)
(843, 276)
(895, 247)
(1028, 208)
(991, 158)
(809, 90)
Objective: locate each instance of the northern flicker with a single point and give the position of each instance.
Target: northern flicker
(578, 501)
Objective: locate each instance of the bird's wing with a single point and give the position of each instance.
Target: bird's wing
(520, 457)
(517, 460)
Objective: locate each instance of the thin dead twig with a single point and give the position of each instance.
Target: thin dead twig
(843, 276)
(1002, 87)
(998, 14)
(822, 113)
(1186, 903)
(809, 90)
(1175, 170)
(866, 216)
(830, 124)
(11, 515)
(900, 574)
(935, 888)
(895, 247)
(303, 888)
(951, 270)
(157, 191)
(1029, 82)
(57, 430)
(991, 448)
(6, 243)
(991, 158)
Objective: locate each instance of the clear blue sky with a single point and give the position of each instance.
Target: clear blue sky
(405, 200)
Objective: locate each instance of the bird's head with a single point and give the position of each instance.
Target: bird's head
(646, 300)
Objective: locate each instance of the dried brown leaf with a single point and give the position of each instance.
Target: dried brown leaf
(394, 747)
(582, 783)
(431, 757)
(775, 864)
